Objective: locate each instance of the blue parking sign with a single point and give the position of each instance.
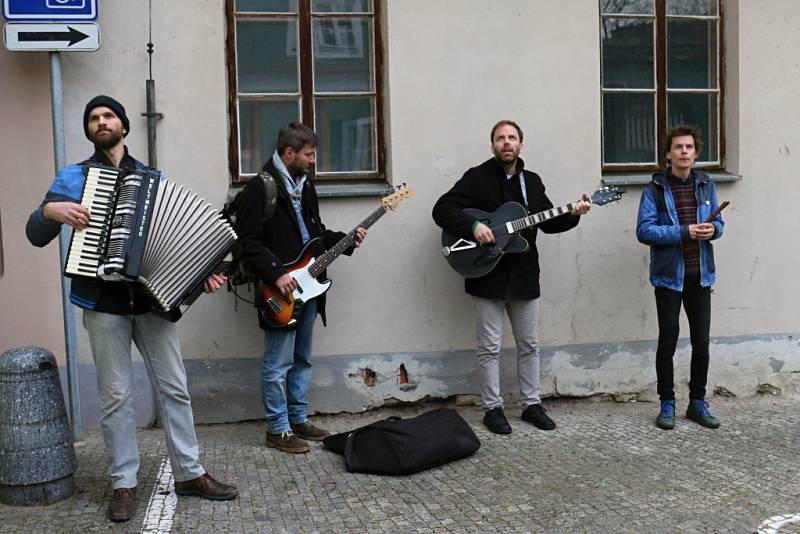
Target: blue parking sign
(43, 10)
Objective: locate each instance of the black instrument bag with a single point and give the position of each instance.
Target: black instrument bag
(396, 446)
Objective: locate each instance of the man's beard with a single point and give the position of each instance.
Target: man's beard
(107, 141)
(295, 171)
(506, 158)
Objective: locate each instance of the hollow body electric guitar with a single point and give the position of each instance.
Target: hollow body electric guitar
(282, 311)
(472, 260)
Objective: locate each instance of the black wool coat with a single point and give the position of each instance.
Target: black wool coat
(485, 187)
(269, 244)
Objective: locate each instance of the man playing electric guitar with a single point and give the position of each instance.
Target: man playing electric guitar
(266, 246)
(513, 285)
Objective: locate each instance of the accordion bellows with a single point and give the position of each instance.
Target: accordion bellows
(149, 230)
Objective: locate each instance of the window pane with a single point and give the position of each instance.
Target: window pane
(628, 53)
(345, 128)
(342, 55)
(699, 110)
(628, 128)
(637, 7)
(692, 54)
(341, 6)
(266, 56)
(692, 7)
(266, 6)
(259, 122)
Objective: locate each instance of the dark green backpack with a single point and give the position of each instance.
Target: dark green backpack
(238, 272)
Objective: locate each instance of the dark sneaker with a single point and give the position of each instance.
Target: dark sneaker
(205, 486)
(666, 417)
(287, 442)
(122, 506)
(699, 413)
(495, 420)
(309, 432)
(535, 415)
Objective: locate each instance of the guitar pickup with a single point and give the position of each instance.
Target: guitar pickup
(273, 305)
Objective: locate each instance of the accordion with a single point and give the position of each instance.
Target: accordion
(149, 231)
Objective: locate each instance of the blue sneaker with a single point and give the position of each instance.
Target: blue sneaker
(666, 417)
(699, 413)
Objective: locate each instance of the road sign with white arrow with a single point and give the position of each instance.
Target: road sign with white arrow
(79, 36)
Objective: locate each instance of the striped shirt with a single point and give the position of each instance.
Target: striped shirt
(686, 205)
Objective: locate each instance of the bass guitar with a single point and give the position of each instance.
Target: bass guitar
(472, 260)
(280, 310)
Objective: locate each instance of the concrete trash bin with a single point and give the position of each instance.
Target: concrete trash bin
(36, 454)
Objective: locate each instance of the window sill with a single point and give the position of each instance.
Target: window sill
(644, 178)
(351, 189)
(333, 189)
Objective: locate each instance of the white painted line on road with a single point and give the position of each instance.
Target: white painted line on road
(771, 525)
(163, 501)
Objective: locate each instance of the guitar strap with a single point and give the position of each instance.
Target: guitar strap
(523, 188)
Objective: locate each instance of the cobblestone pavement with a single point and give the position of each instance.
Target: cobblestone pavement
(606, 468)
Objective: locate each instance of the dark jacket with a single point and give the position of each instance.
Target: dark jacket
(118, 298)
(484, 187)
(662, 231)
(269, 244)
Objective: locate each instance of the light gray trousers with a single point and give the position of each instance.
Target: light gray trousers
(524, 317)
(157, 340)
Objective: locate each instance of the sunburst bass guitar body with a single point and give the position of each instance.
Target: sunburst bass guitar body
(281, 311)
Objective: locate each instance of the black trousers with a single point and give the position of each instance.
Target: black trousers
(696, 301)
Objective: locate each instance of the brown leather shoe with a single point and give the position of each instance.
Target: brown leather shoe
(207, 487)
(122, 506)
(287, 442)
(309, 432)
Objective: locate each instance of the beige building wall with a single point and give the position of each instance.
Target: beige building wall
(30, 290)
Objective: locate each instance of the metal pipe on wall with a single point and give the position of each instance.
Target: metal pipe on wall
(152, 116)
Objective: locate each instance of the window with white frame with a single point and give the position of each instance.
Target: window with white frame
(660, 65)
(314, 61)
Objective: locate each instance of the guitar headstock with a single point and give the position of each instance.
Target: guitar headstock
(606, 195)
(397, 194)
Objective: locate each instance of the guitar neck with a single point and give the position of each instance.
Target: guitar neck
(542, 216)
(344, 243)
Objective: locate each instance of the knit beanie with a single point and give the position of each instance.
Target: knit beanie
(110, 103)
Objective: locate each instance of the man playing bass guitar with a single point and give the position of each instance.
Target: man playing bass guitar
(266, 246)
(513, 285)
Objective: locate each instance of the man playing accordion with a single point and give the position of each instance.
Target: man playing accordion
(116, 313)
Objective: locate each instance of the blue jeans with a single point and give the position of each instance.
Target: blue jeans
(286, 372)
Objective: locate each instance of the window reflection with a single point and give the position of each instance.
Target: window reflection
(627, 7)
(341, 6)
(267, 56)
(266, 6)
(259, 122)
(346, 129)
(691, 54)
(342, 55)
(692, 7)
(628, 53)
(628, 128)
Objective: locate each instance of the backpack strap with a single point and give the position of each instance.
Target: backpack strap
(658, 195)
(270, 194)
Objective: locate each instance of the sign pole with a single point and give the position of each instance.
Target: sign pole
(70, 335)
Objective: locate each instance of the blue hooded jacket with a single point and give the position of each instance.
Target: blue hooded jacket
(662, 231)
